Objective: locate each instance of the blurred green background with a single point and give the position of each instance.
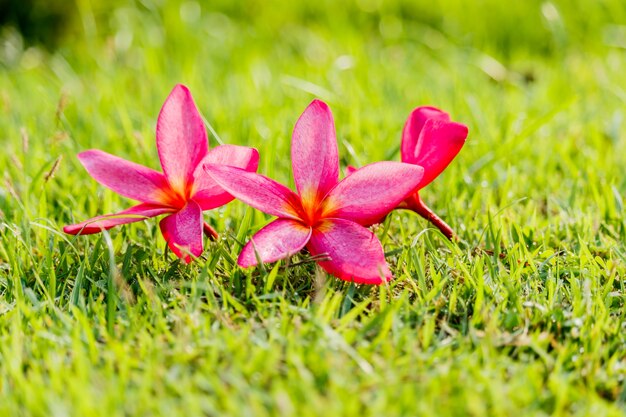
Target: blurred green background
(533, 27)
(524, 316)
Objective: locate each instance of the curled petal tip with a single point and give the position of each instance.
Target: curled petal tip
(429, 112)
(181, 86)
(319, 102)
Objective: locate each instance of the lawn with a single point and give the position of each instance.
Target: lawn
(524, 316)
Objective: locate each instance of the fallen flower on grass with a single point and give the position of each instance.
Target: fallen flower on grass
(326, 215)
(431, 140)
(182, 191)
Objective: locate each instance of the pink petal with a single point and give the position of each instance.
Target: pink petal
(413, 127)
(355, 253)
(350, 170)
(369, 193)
(279, 239)
(206, 191)
(131, 215)
(257, 191)
(126, 178)
(183, 231)
(431, 140)
(314, 155)
(181, 138)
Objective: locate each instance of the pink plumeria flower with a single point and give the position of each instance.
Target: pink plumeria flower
(326, 215)
(182, 191)
(431, 140)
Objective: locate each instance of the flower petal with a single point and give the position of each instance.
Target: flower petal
(124, 177)
(279, 239)
(181, 138)
(355, 253)
(413, 127)
(431, 140)
(369, 193)
(314, 155)
(131, 215)
(183, 231)
(207, 192)
(257, 191)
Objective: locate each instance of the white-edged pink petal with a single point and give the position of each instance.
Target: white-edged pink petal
(279, 239)
(355, 253)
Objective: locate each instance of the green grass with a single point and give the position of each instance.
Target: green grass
(525, 316)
